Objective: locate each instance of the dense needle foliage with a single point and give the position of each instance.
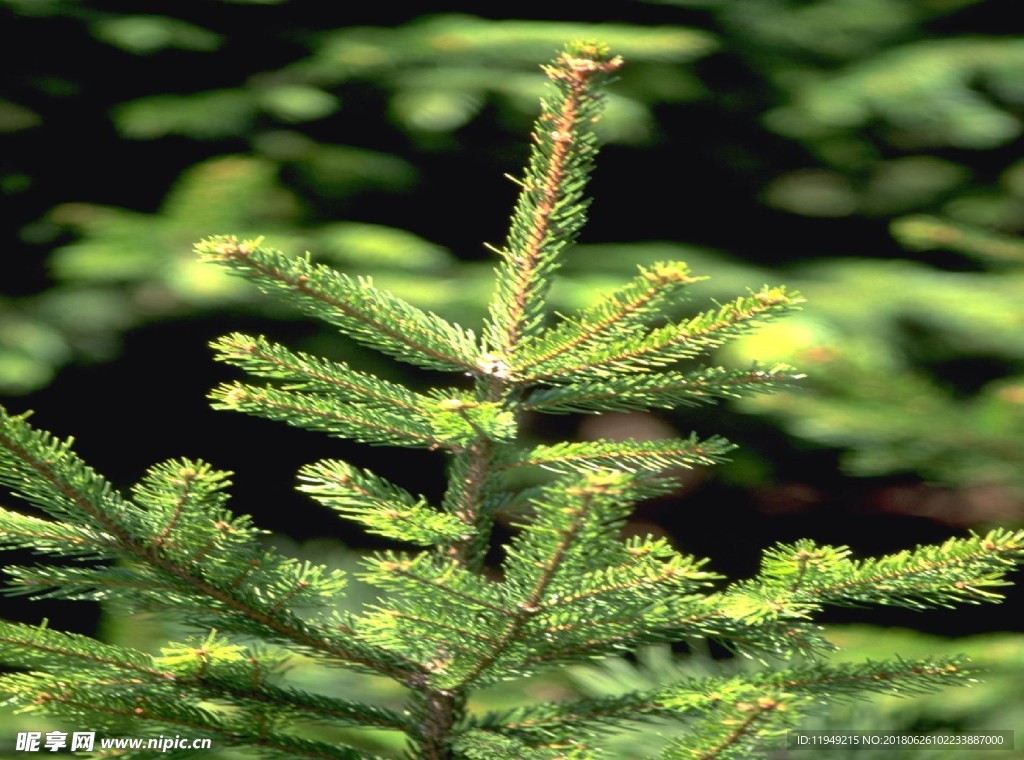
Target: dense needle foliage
(568, 589)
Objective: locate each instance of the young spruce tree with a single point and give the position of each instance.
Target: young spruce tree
(570, 589)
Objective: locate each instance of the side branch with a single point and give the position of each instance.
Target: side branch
(531, 606)
(131, 546)
(614, 316)
(374, 317)
(671, 343)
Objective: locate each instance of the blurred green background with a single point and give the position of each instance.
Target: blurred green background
(866, 152)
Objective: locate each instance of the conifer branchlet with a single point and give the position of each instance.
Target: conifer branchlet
(569, 588)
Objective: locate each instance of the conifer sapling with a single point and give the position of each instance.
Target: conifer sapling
(569, 589)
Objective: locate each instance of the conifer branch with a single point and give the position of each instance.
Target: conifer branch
(39, 647)
(961, 570)
(696, 696)
(698, 618)
(300, 705)
(629, 456)
(110, 704)
(550, 209)
(616, 316)
(572, 530)
(382, 507)
(664, 390)
(445, 581)
(47, 472)
(739, 729)
(669, 344)
(371, 316)
(652, 565)
(18, 531)
(313, 412)
(548, 567)
(303, 372)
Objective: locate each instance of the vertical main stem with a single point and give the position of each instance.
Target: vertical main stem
(540, 225)
(443, 709)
